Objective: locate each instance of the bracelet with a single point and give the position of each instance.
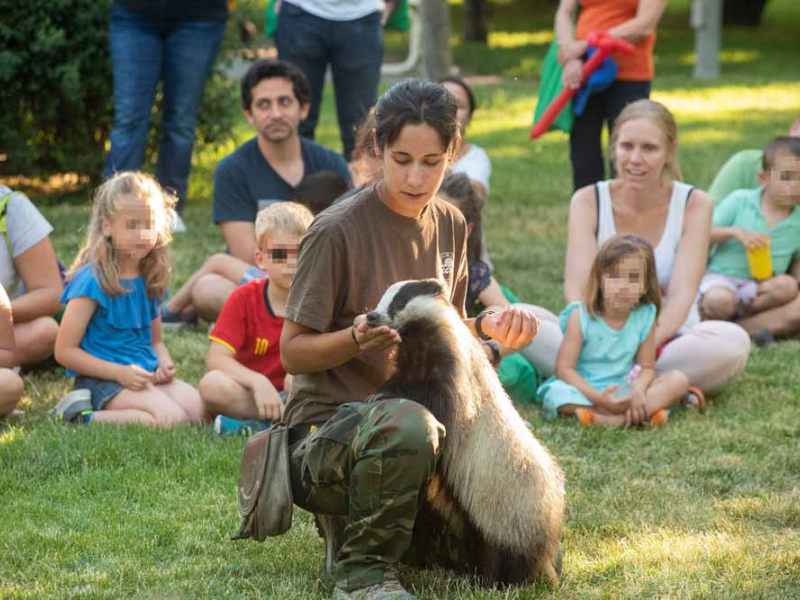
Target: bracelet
(353, 333)
(479, 329)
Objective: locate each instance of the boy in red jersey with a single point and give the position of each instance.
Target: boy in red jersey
(246, 384)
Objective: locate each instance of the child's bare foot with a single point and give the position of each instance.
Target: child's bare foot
(660, 418)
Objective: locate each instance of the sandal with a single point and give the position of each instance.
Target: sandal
(585, 416)
(695, 398)
(660, 418)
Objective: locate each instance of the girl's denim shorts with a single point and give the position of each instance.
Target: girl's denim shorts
(102, 390)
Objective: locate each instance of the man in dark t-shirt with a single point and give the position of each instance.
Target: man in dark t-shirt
(266, 169)
(275, 98)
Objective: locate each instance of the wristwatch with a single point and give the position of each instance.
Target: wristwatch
(479, 321)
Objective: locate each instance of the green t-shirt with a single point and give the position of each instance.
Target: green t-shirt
(743, 209)
(739, 173)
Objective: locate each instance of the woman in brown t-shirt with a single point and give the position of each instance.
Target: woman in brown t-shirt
(371, 461)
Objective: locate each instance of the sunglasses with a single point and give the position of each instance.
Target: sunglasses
(281, 254)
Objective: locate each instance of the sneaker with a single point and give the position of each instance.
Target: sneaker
(331, 530)
(227, 426)
(387, 590)
(72, 407)
(174, 319)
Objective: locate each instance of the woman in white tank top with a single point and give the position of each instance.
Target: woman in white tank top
(648, 199)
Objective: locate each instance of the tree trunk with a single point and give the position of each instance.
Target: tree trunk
(438, 57)
(475, 19)
(747, 13)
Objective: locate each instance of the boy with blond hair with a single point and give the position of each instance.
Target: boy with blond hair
(246, 384)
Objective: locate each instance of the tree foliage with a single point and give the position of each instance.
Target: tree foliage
(57, 92)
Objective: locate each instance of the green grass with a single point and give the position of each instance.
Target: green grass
(707, 508)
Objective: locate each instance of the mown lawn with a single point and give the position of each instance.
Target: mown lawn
(707, 508)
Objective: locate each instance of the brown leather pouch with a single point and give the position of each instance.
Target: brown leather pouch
(265, 485)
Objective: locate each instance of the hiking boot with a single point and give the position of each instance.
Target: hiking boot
(387, 590)
(331, 530)
(73, 407)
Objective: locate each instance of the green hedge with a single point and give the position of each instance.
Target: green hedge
(56, 89)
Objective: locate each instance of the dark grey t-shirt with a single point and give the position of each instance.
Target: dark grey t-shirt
(244, 182)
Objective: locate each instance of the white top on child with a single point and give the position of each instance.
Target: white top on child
(476, 164)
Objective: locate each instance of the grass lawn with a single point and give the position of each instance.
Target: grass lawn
(707, 508)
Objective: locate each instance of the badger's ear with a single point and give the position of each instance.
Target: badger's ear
(431, 287)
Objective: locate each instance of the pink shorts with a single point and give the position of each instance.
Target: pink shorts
(745, 290)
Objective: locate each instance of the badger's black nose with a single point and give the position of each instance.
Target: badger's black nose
(373, 318)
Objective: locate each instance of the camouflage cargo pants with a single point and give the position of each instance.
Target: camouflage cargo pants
(371, 462)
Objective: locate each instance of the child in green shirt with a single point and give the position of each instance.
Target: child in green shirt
(750, 219)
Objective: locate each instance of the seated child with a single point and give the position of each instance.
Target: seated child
(110, 335)
(29, 272)
(10, 382)
(605, 335)
(206, 291)
(741, 170)
(751, 219)
(319, 190)
(246, 383)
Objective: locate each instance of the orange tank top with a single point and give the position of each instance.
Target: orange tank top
(605, 14)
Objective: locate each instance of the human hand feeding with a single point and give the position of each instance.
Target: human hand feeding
(373, 338)
(513, 327)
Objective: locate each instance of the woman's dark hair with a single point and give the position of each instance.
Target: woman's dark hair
(459, 188)
(416, 102)
(463, 84)
(270, 68)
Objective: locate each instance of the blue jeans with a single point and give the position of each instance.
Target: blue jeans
(354, 49)
(142, 52)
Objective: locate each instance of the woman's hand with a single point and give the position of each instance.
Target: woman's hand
(513, 327)
(373, 339)
(133, 377)
(572, 75)
(572, 50)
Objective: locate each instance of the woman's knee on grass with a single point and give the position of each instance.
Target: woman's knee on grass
(11, 388)
(36, 340)
(782, 288)
(718, 303)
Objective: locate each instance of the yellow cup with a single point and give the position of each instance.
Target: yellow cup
(760, 262)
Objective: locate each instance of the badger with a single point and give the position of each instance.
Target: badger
(495, 486)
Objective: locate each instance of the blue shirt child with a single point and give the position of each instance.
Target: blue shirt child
(607, 355)
(119, 330)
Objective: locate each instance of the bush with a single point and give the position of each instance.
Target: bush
(55, 77)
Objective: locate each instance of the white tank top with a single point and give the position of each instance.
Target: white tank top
(667, 248)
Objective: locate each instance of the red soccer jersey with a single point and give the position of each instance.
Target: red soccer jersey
(248, 327)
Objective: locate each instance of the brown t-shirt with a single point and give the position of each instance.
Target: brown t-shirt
(350, 255)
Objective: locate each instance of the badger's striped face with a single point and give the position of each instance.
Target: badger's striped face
(409, 300)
